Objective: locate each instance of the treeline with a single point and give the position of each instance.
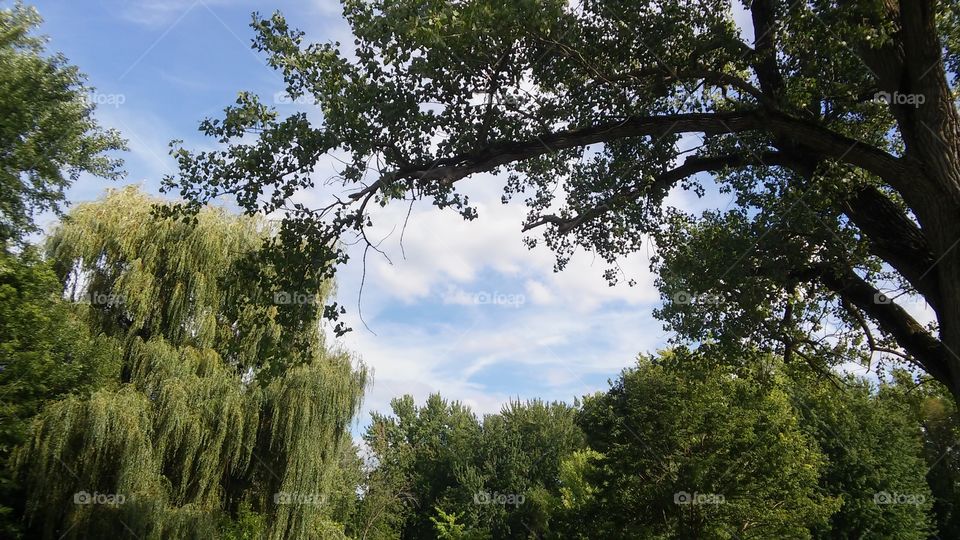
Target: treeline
(682, 445)
(151, 386)
(149, 389)
(152, 389)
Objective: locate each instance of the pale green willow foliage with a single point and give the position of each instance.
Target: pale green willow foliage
(218, 402)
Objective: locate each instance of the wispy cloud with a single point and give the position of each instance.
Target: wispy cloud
(163, 12)
(473, 314)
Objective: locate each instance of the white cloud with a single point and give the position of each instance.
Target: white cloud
(486, 360)
(538, 292)
(443, 249)
(433, 335)
(330, 8)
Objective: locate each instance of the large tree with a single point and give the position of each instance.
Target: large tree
(219, 412)
(48, 135)
(832, 124)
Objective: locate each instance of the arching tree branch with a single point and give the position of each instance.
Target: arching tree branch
(662, 184)
(819, 139)
(893, 319)
(895, 238)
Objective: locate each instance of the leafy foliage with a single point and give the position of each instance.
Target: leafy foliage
(219, 405)
(930, 406)
(173, 396)
(874, 458)
(834, 134)
(697, 451)
(46, 353)
(683, 445)
(48, 135)
(469, 479)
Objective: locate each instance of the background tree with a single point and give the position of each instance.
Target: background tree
(46, 353)
(930, 408)
(342, 503)
(219, 409)
(696, 452)
(464, 478)
(835, 131)
(386, 497)
(522, 452)
(424, 449)
(684, 445)
(48, 135)
(876, 464)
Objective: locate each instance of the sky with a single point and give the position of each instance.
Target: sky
(464, 308)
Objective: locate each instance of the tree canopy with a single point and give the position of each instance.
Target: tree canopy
(48, 135)
(47, 352)
(834, 129)
(216, 405)
(701, 455)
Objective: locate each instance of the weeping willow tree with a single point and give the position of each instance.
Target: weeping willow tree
(221, 407)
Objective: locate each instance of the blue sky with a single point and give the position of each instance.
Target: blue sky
(469, 312)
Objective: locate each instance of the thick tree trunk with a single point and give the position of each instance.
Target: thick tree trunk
(912, 65)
